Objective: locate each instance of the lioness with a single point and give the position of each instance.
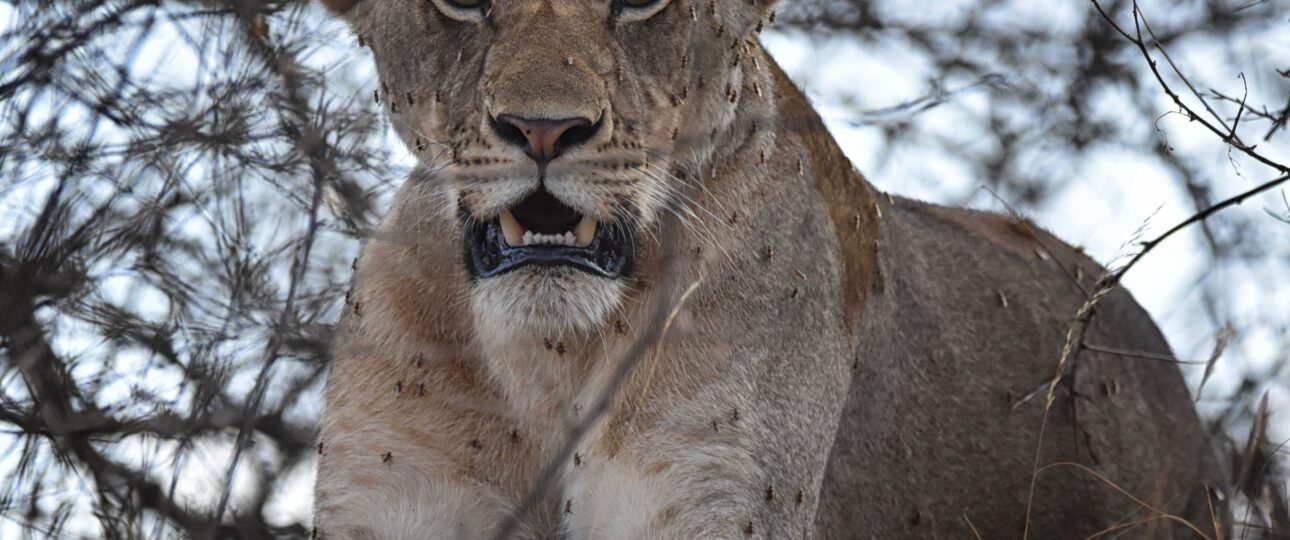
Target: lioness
(611, 181)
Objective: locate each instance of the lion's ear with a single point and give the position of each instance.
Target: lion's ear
(348, 10)
(752, 14)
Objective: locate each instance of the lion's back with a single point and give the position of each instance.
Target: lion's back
(960, 337)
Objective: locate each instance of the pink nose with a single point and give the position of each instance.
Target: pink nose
(543, 140)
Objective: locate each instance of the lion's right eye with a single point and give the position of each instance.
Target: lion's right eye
(462, 10)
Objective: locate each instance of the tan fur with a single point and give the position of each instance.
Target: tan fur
(846, 366)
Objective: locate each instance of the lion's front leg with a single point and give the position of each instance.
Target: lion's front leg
(374, 486)
(419, 450)
(709, 482)
(686, 499)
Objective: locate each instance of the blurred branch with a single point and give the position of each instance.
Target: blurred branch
(1222, 130)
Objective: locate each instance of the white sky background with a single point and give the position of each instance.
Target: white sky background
(1106, 201)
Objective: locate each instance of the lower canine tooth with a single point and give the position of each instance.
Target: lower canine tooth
(585, 232)
(511, 229)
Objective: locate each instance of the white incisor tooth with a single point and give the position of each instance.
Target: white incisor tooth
(511, 229)
(568, 238)
(585, 231)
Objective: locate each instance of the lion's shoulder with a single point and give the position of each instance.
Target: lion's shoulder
(998, 242)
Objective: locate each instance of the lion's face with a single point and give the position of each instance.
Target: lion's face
(558, 133)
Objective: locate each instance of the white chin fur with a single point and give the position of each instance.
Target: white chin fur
(544, 301)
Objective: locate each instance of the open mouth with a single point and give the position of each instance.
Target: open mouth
(542, 231)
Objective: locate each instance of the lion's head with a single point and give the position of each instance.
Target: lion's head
(558, 132)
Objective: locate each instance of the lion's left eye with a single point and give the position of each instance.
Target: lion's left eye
(638, 10)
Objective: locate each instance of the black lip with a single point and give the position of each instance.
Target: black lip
(610, 254)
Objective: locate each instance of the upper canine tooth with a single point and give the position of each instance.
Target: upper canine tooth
(511, 229)
(585, 232)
